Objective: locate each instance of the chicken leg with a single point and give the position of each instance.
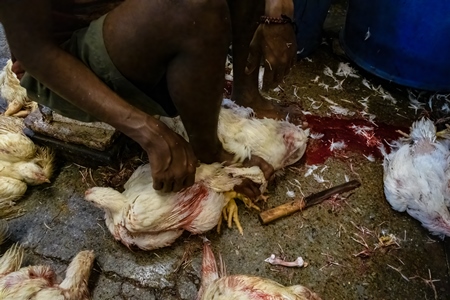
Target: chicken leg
(230, 211)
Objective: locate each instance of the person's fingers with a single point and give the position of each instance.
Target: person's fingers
(178, 185)
(189, 181)
(253, 61)
(269, 74)
(265, 167)
(248, 188)
(158, 185)
(254, 55)
(168, 186)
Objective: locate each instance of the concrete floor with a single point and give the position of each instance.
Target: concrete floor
(58, 223)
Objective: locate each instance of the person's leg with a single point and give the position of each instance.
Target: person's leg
(184, 41)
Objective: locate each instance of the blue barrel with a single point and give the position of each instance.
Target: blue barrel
(404, 41)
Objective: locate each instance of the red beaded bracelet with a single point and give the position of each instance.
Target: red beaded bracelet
(271, 20)
(283, 20)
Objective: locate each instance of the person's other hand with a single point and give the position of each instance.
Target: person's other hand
(276, 44)
(250, 188)
(18, 69)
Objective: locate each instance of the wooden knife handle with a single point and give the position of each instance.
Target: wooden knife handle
(281, 211)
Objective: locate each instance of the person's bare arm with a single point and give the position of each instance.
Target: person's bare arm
(275, 43)
(27, 24)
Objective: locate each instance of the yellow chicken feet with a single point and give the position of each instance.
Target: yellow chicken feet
(230, 214)
(230, 211)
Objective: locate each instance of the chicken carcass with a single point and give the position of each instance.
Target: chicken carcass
(19, 105)
(416, 177)
(217, 285)
(278, 142)
(21, 161)
(151, 219)
(39, 282)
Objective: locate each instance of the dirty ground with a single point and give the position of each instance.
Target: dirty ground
(355, 246)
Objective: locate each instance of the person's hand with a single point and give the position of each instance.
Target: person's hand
(172, 161)
(250, 188)
(18, 69)
(276, 44)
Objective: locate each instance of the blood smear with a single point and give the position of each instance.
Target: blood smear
(359, 135)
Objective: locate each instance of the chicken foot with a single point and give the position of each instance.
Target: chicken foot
(230, 211)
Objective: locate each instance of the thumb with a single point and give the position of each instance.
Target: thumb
(252, 63)
(254, 58)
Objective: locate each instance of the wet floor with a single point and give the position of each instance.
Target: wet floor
(355, 246)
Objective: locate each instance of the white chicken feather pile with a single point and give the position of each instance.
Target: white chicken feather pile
(40, 282)
(416, 177)
(218, 286)
(151, 219)
(19, 105)
(22, 163)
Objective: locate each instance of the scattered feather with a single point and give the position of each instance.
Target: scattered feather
(319, 178)
(324, 85)
(316, 80)
(337, 145)
(328, 72)
(310, 170)
(290, 194)
(316, 136)
(367, 36)
(339, 110)
(370, 157)
(344, 69)
(328, 100)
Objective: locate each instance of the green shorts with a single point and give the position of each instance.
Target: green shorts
(87, 44)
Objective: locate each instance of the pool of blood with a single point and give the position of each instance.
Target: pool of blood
(334, 129)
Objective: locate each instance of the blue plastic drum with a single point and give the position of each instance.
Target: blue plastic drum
(407, 41)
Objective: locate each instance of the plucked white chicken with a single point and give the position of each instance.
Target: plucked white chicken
(19, 105)
(151, 219)
(21, 161)
(218, 286)
(416, 177)
(39, 282)
(12, 258)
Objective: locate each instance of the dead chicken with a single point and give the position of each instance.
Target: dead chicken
(218, 286)
(416, 177)
(12, 258)
(19, 105)
(280, 143)
(150, 219)
(39, 282)
(22, 163)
